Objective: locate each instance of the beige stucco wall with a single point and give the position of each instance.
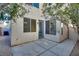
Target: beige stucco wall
(18, 36)
(65, 33)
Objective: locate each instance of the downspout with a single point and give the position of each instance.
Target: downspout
(67, 28)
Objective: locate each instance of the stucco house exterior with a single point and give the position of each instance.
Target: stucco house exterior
(33, 26)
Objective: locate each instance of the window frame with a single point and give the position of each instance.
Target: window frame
(49, 29)
(24, 25)
(30, 25)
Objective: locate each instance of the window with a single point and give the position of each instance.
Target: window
(28, 3)
(35, 5)
(26, 25)
(50, 4)
(29, 25)
(33, 25)
(51, 27)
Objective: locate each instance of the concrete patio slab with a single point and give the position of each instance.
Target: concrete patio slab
(44, 48)
(30, 49)
(46, 43)
(64, 48)
(47, 53)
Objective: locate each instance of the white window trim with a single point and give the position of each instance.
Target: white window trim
(30, 24)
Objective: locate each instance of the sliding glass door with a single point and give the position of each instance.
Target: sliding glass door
(51, 27)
